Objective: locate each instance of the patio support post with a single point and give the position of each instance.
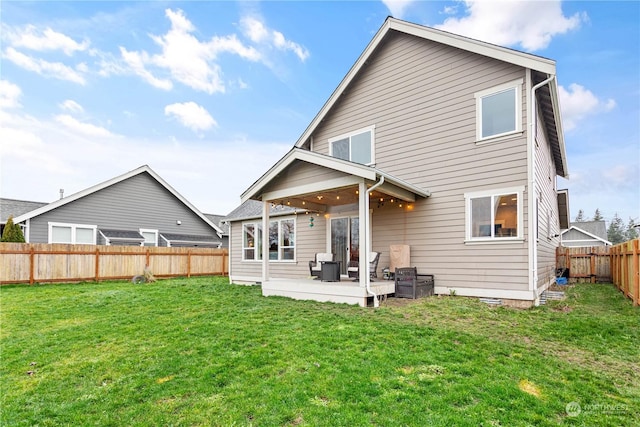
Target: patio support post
(363, 231)
(265, 241)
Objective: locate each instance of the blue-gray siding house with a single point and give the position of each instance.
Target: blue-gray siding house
(136, 208)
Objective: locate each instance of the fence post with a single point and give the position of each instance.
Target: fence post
(636, 273)
(97, 275)
(189, 263)
(31, 265)
(592, 266)
(147, 258)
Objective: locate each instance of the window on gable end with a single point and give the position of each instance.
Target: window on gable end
(357, 147)
(499, 110)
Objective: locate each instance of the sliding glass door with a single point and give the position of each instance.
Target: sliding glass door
(345, 240)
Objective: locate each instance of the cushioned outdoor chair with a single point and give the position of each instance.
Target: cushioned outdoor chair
(353, 270)
(315, 266)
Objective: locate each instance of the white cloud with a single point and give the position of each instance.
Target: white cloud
(32, 38)
(184, 58)
(191, 115)
(71, 105)
(259, 33)
(45, 68)
(578, 102)
(397, 7)
(82, 128)
(136, 62)
(529, 24)
(9, 94)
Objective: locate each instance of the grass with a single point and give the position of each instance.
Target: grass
(189, 352)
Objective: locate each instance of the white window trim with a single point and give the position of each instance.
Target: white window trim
(519, 191)
(371, 129)
(517, 84)
(149, 230)
(73, 231)
(258, 223)
(257, 241)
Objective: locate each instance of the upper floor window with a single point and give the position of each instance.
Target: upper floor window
(150, 237)
(72, 233)
(499, 110)
(494, 215)
(282, 240)
(356, 146)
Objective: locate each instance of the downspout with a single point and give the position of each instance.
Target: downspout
(533, 186)
(367, 281)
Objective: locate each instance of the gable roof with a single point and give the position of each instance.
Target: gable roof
(350, 168)
(9, 207)
(112, 181)
(596, 230)
(543, 66)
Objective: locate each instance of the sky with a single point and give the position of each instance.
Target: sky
(211, 94)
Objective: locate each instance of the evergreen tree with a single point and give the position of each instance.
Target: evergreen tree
(632, 231)
(580, 216)
(616, 232)
(12, 232)
(597, 216)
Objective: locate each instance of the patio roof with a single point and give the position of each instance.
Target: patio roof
(336, 191)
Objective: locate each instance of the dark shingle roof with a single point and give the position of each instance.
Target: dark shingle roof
(122, 234)
(597, 228)
(173, 237)
(219, 221)
(253, 209)
(9, 207)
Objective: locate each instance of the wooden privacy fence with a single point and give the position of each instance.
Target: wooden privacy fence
(619, 264)
(589, 264)
(41, 262)
(625, 269)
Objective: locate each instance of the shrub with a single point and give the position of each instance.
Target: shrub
(12, 232)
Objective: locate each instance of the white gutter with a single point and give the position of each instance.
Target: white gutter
(367, 223)
(533, 209)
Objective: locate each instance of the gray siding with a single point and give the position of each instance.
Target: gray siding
(309, 241)
(420, 97)
(137, 202)
(302, 173)
(548, 216)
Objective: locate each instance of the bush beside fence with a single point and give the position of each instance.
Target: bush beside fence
(40, 262)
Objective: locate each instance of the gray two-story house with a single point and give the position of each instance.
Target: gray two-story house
(446, 145)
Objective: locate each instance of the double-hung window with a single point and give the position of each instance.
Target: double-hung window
(494, 215)
(282, 237)
(356, 147)
(72, 233)
(499, 110)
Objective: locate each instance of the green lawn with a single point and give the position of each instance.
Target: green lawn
(202, 352)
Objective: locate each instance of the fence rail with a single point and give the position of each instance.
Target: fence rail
(39, 262)
(617, 264)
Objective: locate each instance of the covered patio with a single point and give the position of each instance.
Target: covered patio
(320, 184)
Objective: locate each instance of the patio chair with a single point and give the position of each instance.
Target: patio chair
(315, 266)
(353, 270)
(410, 284)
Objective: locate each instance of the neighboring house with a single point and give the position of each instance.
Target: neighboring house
(15, 208)
(136, 208)
(585, 234)
(431, 140)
